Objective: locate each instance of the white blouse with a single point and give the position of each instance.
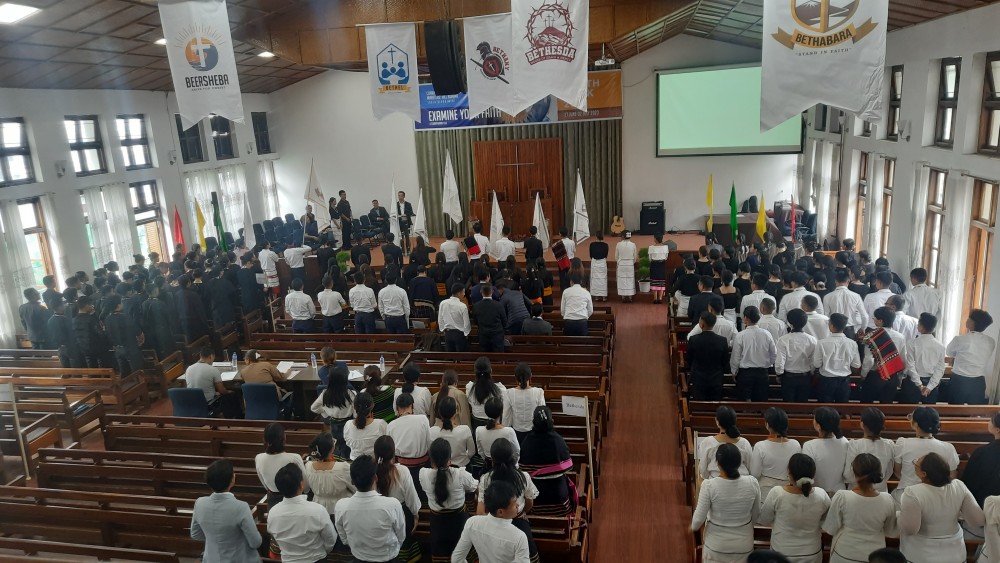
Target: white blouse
(795, 522)
(485, 439)
(403, 490)
(362, 442)
(991, 510)
(707, 447)
(329, 485)
(530, 492)
(463, 447)
(859, 525)
(727, 508)
(829, 455)
(421, 399)
(908, 450)
(461, 482)
(522, 407)
(880, 448)
(411, 432)
(769, 463)
(478, 409)
(928, 522)
(335, 412)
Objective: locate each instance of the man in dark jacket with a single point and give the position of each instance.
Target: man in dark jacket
(536, 325)
(224, 299)
(60, 336)
(251, 292)
(156, 323)
(532, 246)
(516, 306)
(699, 303)
(90, 337)
(708, 358)
(392, 253)
(124, 336)
(491, 317)
(35, 319)
(191, 310)
(50, 295)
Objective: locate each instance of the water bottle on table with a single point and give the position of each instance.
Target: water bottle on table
(312, 361)
(381, 364)
(235, 362)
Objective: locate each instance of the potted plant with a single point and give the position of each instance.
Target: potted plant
(342, 257)
(644, 278)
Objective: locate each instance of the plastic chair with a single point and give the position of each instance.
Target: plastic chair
(289, 218)
(189, 402)
(258, 230)
(262, 401)
(278, 221)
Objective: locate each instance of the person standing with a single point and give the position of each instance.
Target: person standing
(708, 358)
(625, 256)
(658, 253)
(124, 337)
(972, 352)
(300, 307)
(294, 256)
(222, 521)
(394, 304)
(924, 357)
(453, 320)
(491, 317)
(576, 307)
(564, 250)
(251, 297)
(516, 305)
(363, 302)
(836, 358)
(344, 210)
(302, 529)
(753, 354)
(883, 365)
(90, 338)
(598, 267)
(477, 245)
(450, 247)
(59, 334)
(35, 319)
(533, 248)
(793, 364)
(269, 264)
(922, 298)
(404, 215)
(374, 526)
(846, 302)
(332, 305)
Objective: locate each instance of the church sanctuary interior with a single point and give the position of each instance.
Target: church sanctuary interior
(496, 281)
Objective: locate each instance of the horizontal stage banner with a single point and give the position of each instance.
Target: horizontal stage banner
(604, 101)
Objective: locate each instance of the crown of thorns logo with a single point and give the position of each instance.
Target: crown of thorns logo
(547, 9)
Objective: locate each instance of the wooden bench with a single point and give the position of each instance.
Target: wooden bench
(27, 439)
(79, 416)
(316, 342)
(117, 391)
(40, 551)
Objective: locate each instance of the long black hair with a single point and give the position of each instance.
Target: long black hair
(385, 459)
(828, 421)
(726, 417)
(364, 404)
(338, 393)
(411, 374)
(374, 376)
(523, 374)
(322, 445)
(449, 378)
(802, 468)
(494, 410)
(505, 466)
(446, 410)
(440, 454)
(483, 387)
(777, 419)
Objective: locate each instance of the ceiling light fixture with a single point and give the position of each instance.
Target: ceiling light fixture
(266, 54)
(161, 41)
(13, 13)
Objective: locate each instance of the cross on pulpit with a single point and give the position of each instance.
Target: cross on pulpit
(517, 164)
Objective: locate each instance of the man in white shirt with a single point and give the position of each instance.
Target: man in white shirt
(295, 257)
(372, 525)
(878, 384)
(924, 357)
(363, 302)
(793, 363)
(769, 322)
(902, 323)
(503, 247)
(837, 359)
(922, 298)
(846, 302)
(300, 307)
(723, 326)
(494, 535)
(450, 248)
(816, 324)
(454, 322)
(331, 306)
(971, 352)
(394, 304)
(206, 377)
(753, 353)
(576, 307)
(793, 299)
(757, 283)
(875, 300)
(302, 529)
(482, 243)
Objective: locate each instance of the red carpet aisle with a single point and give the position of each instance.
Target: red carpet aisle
(640, 515)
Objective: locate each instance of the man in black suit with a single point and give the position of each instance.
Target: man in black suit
(392, 253)
(708, 360)
(532, 246)
(405, 215)
(379, 218)
(344, 208)
(491, 317)
(699, 303)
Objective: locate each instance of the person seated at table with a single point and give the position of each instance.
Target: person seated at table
(259, 370)
(206, 377)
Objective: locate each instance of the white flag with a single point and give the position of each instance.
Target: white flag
(540, 223)
(496, 224)
(392, 69)
(314, 197)
(549, 50)
(817, 52)
(249, 237)
(202, 64)
(451, 202)
(581, 220)
(420, 221)
(490, 80)
(390, 204)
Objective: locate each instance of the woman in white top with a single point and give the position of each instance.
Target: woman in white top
(872, 423)
(860, 519)
(463, 447)
(481, 390)
(493, 431)
(522, 400)
(925, 423)
(991, 511)
(411, 433)
(725, 419)
(795, 513)
(336, 406)
(828, 451)
(269, 264)
(505, 469)
(421, 395)
(360, 434)
(929, 530)
(274, 458)
(446, 487)
(728, 506)
(327, 478)
(769, 459)
(395, 480)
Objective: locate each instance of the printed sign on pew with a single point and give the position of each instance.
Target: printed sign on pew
(574, 406)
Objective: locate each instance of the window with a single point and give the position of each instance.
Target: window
(222, 137)
(944, 129)
(192, 149)
(819, 121)
(989, 123)
(835, 125)
(15, 154)
(270, 189)
(86, 148)
(895, 102)
(977, 273)
(935, 224)
(261, 133)
(862, 200)
(37, 241)
(149, 223)
(890, 179)
(866, 128)
(135, 142)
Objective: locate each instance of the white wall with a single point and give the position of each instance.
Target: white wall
(327, 119)
(681, 181)
(43, 111)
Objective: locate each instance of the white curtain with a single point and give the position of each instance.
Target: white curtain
(96, 216)
(55, 241)
(229, 182)
(16, 274)
(269, 186)
(121, 222)
(918, 213)
(876, 183)
(954, 251)
(821, 179)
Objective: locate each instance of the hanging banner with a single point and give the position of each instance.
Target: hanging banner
(202, 64)
(814, 49)
(392, 69)
(490, 80)
(549, 50)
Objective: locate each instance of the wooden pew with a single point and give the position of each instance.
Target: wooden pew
(29, 438)
(118, 392)
(40, 551)
(315, 342)
(79, 416)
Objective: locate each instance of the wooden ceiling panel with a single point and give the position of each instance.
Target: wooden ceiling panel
(118, 19)
(92, 15)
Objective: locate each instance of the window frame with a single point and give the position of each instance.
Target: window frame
(861, 201)
(24, 150)
(867, 128)
(982, 229)
(895, 103)
(990, 108)
(128, 141)
(261, 133)
(935, 208)
(187, 140)
(888, 179)
(40, 230)
(945, 103)
(148, 206)
(81, 146)
(221, 138)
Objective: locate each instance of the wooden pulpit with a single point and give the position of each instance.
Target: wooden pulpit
(516, 171)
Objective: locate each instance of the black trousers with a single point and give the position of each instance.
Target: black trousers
(299, 273)
(346, 231)
(334, 324)
(751, 384)
(834, 389)
(404, 240)
(396, 325)
(910, 393)
(795, 387)
(364, 323)
(966, 390)
(455, 341)
(576, 328)
(302, 326)
(491, 342)
(706, 389)
(874, 388)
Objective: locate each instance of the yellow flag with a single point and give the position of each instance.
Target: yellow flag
(709, 199)
(200, 225)
(761, 217)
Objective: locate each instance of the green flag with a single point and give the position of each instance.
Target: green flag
(217, 221)
(733, 223)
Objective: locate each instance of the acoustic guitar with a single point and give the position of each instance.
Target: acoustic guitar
(617, 226)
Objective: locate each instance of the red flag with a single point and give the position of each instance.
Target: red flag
(179, 230)
(793, 217)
